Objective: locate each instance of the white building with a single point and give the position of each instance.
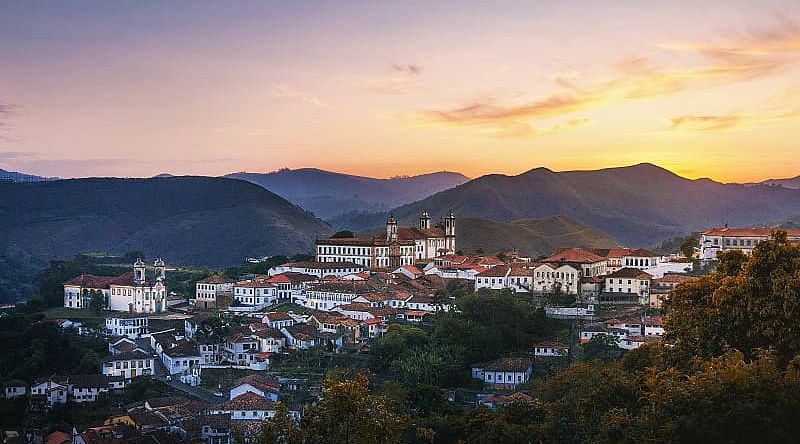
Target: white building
(715, 240)
(247, 406)
(504, 373)
(262, 386)
(585, 261)
(551, 277)
(207, 290)
(550, 349)
(377, 252)
(86, 388)
(15, 388)
(627, 285)
(133, 292)
(430, 242)
(327, 295)
(129, 365)
(320, 269)
(254, 294)
(130, 326)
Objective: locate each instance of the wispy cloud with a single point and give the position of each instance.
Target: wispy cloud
(282, 90)
(744, 58)
(705, 123)
(410, 68)
(517, 129)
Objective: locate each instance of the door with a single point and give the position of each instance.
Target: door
(133, 373)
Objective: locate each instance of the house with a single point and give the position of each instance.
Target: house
(550, 349)
(507, 373)
(50, 391)
(141, 420)
(618, 258)
(587, 263)
(209, 289)
(665, 284)
(253, 294)
(653, 326)
(183, 359)
(717, 240)
(494, 278)
(131, 326)
(304, 336)
(133, 292)
(278, 319)
(271, 340)
(336, 324)
(290, 284)
(409, 271)
(244, 349)
(263, 386)
(627, 285)
(15, 388)
(327, 295)
(589, 331)
(87, 388)
(247, 406)
(557, 277)
(129, 365)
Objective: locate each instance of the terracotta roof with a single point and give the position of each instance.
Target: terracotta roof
(246, 401)
(509, 365)
(630, 273)
(278, 316)
(182, 349)
(88, 381)
(674, 278)
(260, 382)
(577, 255)
(58, 438)
(363, 242)
(91, 281)
(551, 344)
(291, 277)
(620, 252)
(128, 356)
(654, 321)
(215, 279)
(346, 287)
(498, 271)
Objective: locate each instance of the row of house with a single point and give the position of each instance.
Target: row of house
(629, 333)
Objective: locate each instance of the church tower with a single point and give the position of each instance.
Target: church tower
(391, 229)
(449, 223)
(161, 270)
(139, 272)
(425, 220)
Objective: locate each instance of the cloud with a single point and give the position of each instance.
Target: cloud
(282, 90)
(705, 123)
(744, 58)
(516, 130)
(409, 68)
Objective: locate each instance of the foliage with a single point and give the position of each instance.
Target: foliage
(749, 303)
(97, 302)
(603, 347)
(212, 330)
(343, 234)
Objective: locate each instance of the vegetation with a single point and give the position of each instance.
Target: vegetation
(731, 372)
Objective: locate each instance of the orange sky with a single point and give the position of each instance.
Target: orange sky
(379, 89)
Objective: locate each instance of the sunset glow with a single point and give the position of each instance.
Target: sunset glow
(94, 88)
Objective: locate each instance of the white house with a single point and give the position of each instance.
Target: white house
(507, 373)
(87, 388)
(207, 290)
(247, 406)
(550, 277)
(131, 326)
(129, 365)
(184, 359)
(551, 349)
(319, 269)
(15, 388)
(254, 294)
(53, 390)
(267, 388)
(627, 285)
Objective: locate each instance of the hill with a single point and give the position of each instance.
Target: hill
(328, 194)
(793, 182)
(533, 237)
(186, 220)
(638, 205)
(14, 176)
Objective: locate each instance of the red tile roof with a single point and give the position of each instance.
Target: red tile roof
(578, 255)
(246, 401)
(748, 232)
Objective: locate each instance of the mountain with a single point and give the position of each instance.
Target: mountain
(793, 183)
(184, 220)
(328, 194)
(13, 176)
(637, 205)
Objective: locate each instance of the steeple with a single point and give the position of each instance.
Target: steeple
(425, 220)
(161, 269)
(391, 229)
(139, 272)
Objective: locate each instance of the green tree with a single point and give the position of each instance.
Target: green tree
(349, 413)
(342, 234)
(97, 302)
(603, 347)
(688, 246)
(281, 428)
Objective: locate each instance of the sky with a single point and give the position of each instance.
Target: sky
(382, 88)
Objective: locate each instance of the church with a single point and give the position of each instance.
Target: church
(400, 246)
(137, 291)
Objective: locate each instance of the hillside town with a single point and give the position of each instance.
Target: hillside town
(350, 295)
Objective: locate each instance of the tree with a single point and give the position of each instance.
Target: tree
(749, 303)
(603, 347)
(349, 413)
(280, 428)
(342, 234)
(688, 246)
(97, 302)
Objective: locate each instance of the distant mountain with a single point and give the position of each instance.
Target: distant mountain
(793, 183)
(13, 176)
(185, 220)
(638, 205)
(329, 194)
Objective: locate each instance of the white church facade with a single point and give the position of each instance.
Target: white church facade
(138, 291)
